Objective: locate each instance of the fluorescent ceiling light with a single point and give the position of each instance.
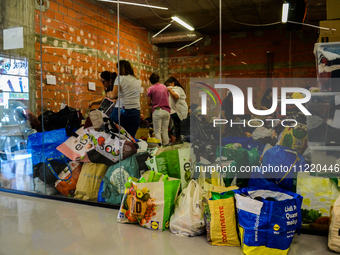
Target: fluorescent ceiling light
(285, 8)
(190, 44)
(130, 3)
(162, 30)
(178, 20)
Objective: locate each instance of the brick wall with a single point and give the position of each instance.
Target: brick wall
(79, 40)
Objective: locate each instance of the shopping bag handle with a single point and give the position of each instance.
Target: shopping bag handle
(114, 130)
(297, 159)
(111, 130)
(62, 157)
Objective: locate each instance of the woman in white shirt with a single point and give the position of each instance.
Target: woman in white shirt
(128, 99)
(178, 105)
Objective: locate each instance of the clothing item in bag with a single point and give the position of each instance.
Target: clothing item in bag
(160, 120)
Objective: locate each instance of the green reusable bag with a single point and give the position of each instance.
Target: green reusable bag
(176, 163)
(150, 204)
(116, 177)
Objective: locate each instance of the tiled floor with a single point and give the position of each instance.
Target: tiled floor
(30, 225)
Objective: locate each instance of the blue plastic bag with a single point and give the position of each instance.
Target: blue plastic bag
(100, 191)
(267, 224)
(52, 139)
(278, 167)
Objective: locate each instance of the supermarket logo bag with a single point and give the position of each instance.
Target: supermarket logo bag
(150, 203)
(267, 219)
(76, 146)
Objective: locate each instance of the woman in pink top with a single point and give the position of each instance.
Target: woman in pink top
(158, 98)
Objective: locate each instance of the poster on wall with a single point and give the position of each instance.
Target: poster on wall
(13, 38)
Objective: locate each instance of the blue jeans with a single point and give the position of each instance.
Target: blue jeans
(129, 119)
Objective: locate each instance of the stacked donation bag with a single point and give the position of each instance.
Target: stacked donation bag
(74, 160)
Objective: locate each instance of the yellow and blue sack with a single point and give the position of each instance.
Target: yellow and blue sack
(267, 219)
(220, 219)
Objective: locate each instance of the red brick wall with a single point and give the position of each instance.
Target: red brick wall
(84, 24)
(80, 41)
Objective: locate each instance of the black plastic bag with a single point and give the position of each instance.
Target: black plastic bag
(50, 178)
(66, 118)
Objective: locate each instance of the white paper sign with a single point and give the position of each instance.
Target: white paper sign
(337, 100)
(51, 80)
(92, 86)
(336, 120)
(13, 38)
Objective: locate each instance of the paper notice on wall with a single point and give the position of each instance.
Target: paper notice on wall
(13, 38)
(337, 100)
(92, 86)
(51, 80)
(336, 120)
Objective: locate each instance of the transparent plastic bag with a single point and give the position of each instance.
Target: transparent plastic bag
(187, 219)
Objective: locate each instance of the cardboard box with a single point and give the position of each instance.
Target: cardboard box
(332, 8)
(332, 34)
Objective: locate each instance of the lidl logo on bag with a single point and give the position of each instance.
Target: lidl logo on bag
(121, 215)
(276, 227)
(154, 225)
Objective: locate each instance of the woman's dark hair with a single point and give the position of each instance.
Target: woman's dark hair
(174, 80)
(154, 78)
(107, 76)
(125, 68)
(268, 91)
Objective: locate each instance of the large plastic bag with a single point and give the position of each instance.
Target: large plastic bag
(268, 219)
(187, 219)
(150, 203)
(278, 166)
(116, 177)
(176, 163)
(40, 187)
(68, 187)
(334, 228)
(220, 219)
(89, 181)
(52, 139)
